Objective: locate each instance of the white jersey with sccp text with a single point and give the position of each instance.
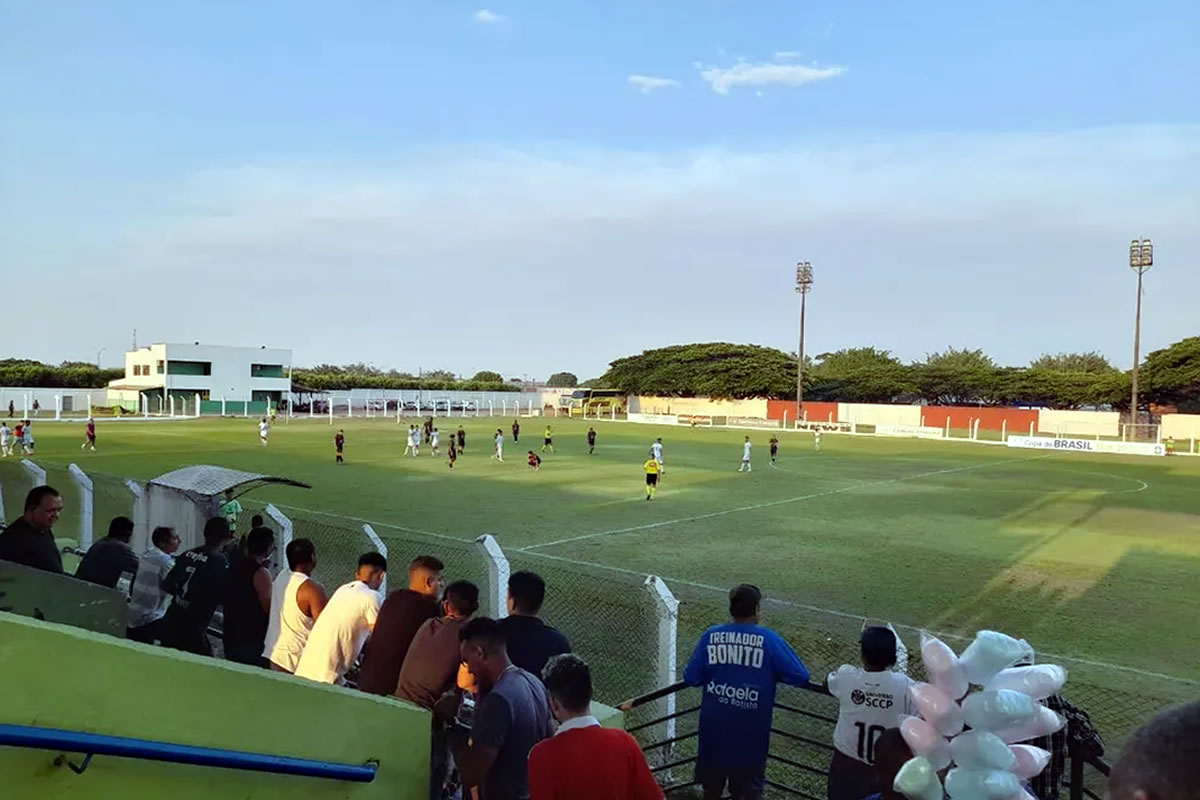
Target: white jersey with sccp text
(870, 703)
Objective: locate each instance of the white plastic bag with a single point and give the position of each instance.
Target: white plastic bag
(981, 784)
(981, 750)
(918, 780)
(937, 708)
(991, 652)
(993, 710)
(1043, 723)
(943, 667)
(1028, 761)
(1039, 682)
(925, 741)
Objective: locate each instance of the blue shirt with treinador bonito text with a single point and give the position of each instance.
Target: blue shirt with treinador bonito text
(737, 666)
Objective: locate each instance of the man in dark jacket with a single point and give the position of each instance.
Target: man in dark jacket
(29, 540)
(108, 558)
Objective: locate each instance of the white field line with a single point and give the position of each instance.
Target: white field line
(772, 503)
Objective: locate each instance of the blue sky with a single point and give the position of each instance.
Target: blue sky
(531, 187)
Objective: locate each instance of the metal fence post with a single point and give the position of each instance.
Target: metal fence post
(87, 492)
(666, 611)
(141, 514)
(36, 473)
(381, 548)
(497, 575)
(285, 533)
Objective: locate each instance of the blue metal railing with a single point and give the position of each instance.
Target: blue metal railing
(99, 744)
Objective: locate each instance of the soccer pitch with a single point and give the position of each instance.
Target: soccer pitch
(1091, 557)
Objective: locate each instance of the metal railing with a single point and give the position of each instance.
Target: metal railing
(1084, 779)
(99, 744)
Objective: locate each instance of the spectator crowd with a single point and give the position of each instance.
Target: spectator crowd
(510, 703)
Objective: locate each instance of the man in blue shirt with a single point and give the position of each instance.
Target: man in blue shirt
(738, 665)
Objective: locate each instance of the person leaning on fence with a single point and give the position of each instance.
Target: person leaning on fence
(296, 603)
(111, 557)
(530, 641)
(248, 600)
(401, 616)
(197, 587)
(1161, 760)
(738, 665)
(148, 604)
(512, 716)
(338, 635)
(871, 700)
(584, 761)
(29, 539)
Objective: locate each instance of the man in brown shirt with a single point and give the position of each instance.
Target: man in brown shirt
(400, 617)
(432, 662)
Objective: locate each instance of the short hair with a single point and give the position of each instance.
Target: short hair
(878, 646)
(568, 678)
(161, 535)
(259, 541)
(527, 590)
(1156, 758)
(483, 631)
(372, 559)
(34, 498)
(744, 600)
(216, 530)
(430, 563)
(300, 551)
(120, 528)
(463, 597)
(256, 521)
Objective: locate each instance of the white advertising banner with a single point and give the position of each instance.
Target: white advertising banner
(910, 431)
(1088, 445)
(654, 419)
(824, 427)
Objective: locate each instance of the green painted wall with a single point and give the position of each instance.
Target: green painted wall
(62, 677)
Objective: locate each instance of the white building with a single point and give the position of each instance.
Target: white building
(234, 376)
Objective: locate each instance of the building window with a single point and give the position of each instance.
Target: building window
(161, 367)
(266, 371)
(190, 367)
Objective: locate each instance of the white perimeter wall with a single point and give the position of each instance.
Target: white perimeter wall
(701, 406)
(1181, 426)
(870, 414)
(1079, 423)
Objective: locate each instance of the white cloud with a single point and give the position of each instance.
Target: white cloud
(487, 17)
(787, 55)
(777, 71)
(918, 241)
(648, 83)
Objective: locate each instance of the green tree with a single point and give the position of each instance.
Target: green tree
(1171, 376)
(487, 376)
(566, 380)
(959, 377)
(438, 375)
(713, 369)
(1073, 362)
(858, 375)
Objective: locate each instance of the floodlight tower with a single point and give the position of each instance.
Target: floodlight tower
(1141, 258)
(804, 283)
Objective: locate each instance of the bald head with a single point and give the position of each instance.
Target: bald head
(1159, 762)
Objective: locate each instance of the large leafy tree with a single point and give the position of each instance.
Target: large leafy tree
(487, 376)
(566, 380)
(959, 377)
(859, 375)
(1171, 376)
(1073, 362)
(713, 369)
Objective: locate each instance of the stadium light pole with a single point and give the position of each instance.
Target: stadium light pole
(804, 282)
(1141, 258)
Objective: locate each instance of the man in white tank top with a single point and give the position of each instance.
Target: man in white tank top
(871, 700)
(296, 602)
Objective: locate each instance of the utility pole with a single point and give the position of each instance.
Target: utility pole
(1141, 258)
(804, 282)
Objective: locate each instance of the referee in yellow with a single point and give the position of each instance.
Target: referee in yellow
(651, 466)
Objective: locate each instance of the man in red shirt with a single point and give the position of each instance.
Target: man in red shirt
(584, 761)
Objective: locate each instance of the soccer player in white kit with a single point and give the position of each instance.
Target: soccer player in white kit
(817, 440)
(5, 440)
(746, 466)
(433, 442)
(264, 428)
(656, 449)
(871, 699)
(415, 438)
(499, 453)
(408, 443)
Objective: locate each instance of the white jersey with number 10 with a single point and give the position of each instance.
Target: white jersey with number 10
(870, 703)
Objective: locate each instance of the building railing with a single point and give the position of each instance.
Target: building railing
(99, 744)
(1083, 770)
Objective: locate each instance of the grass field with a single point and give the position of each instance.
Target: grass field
(1091, 557)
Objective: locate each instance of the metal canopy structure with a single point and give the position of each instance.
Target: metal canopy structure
(209, 481)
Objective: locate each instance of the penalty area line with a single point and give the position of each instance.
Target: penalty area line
(772, 503)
